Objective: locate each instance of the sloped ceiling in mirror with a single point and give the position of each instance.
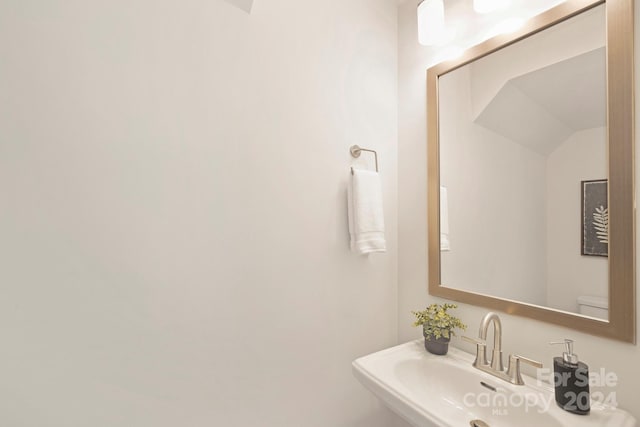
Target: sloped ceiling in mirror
(245, 5)
(542, 108)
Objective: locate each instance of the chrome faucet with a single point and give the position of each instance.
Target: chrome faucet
(495, 367)
(496, 355)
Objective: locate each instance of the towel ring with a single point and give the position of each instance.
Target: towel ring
(356, 151)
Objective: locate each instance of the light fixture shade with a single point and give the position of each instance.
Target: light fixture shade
(430, 22)
(487, 6)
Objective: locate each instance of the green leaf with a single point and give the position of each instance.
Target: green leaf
(436, 322)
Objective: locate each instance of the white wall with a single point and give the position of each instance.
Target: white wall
(173, 238)
(524, 336)
(581, 157)
(496, 203)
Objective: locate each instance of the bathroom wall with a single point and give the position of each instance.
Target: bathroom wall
(583, 156)
(524, 336)
(173, 232)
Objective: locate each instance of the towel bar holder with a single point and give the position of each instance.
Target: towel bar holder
(356, 151)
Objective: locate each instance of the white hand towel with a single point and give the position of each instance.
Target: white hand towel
(366, 218)
(444, 220)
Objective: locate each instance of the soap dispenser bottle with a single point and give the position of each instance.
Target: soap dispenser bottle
(571, 381)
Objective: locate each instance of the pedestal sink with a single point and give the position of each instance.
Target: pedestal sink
(442, 391)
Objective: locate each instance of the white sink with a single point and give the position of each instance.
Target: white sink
(440, 391)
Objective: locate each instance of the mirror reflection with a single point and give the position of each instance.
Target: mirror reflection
(528, 219)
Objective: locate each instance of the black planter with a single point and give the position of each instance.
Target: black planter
(439, 346)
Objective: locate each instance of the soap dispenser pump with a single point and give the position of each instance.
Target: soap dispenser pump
(571, 381)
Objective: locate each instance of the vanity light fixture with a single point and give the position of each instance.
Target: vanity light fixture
(430, 22)
(464, 28)
(448, 53)
(509, 25)
(488, 6)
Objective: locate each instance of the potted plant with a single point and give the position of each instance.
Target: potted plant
(437, 327)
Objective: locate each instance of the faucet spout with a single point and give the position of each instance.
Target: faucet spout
(496, 357)
(495, 367)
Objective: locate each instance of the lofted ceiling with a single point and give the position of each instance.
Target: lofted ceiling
(542, 108)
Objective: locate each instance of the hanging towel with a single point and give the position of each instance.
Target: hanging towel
(444, 220)
(366, 219)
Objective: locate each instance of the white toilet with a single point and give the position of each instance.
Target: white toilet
(597, 307)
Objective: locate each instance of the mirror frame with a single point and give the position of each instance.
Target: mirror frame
(621, 140)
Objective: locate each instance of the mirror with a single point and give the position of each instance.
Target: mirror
(531, 171)
(527, 129)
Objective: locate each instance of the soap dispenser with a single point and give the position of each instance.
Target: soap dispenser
(571, 381)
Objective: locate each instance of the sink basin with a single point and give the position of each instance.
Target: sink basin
(440, 391)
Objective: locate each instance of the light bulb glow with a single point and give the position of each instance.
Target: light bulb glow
(508, 26)
(449, 53)
(431, 29)
(488, 6)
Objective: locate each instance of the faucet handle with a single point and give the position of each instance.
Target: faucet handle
(481, 350)
(531, 362)
(513, 372)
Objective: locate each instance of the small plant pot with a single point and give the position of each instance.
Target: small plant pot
(439, 346)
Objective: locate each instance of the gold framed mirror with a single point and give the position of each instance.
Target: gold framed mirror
(608, 231)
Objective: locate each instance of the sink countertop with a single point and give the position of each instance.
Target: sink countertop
(438, 391)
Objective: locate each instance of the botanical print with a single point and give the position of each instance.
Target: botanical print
(595, 218)
(601, 224)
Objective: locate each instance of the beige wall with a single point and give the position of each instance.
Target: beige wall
(173, 228)
(526, 337)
